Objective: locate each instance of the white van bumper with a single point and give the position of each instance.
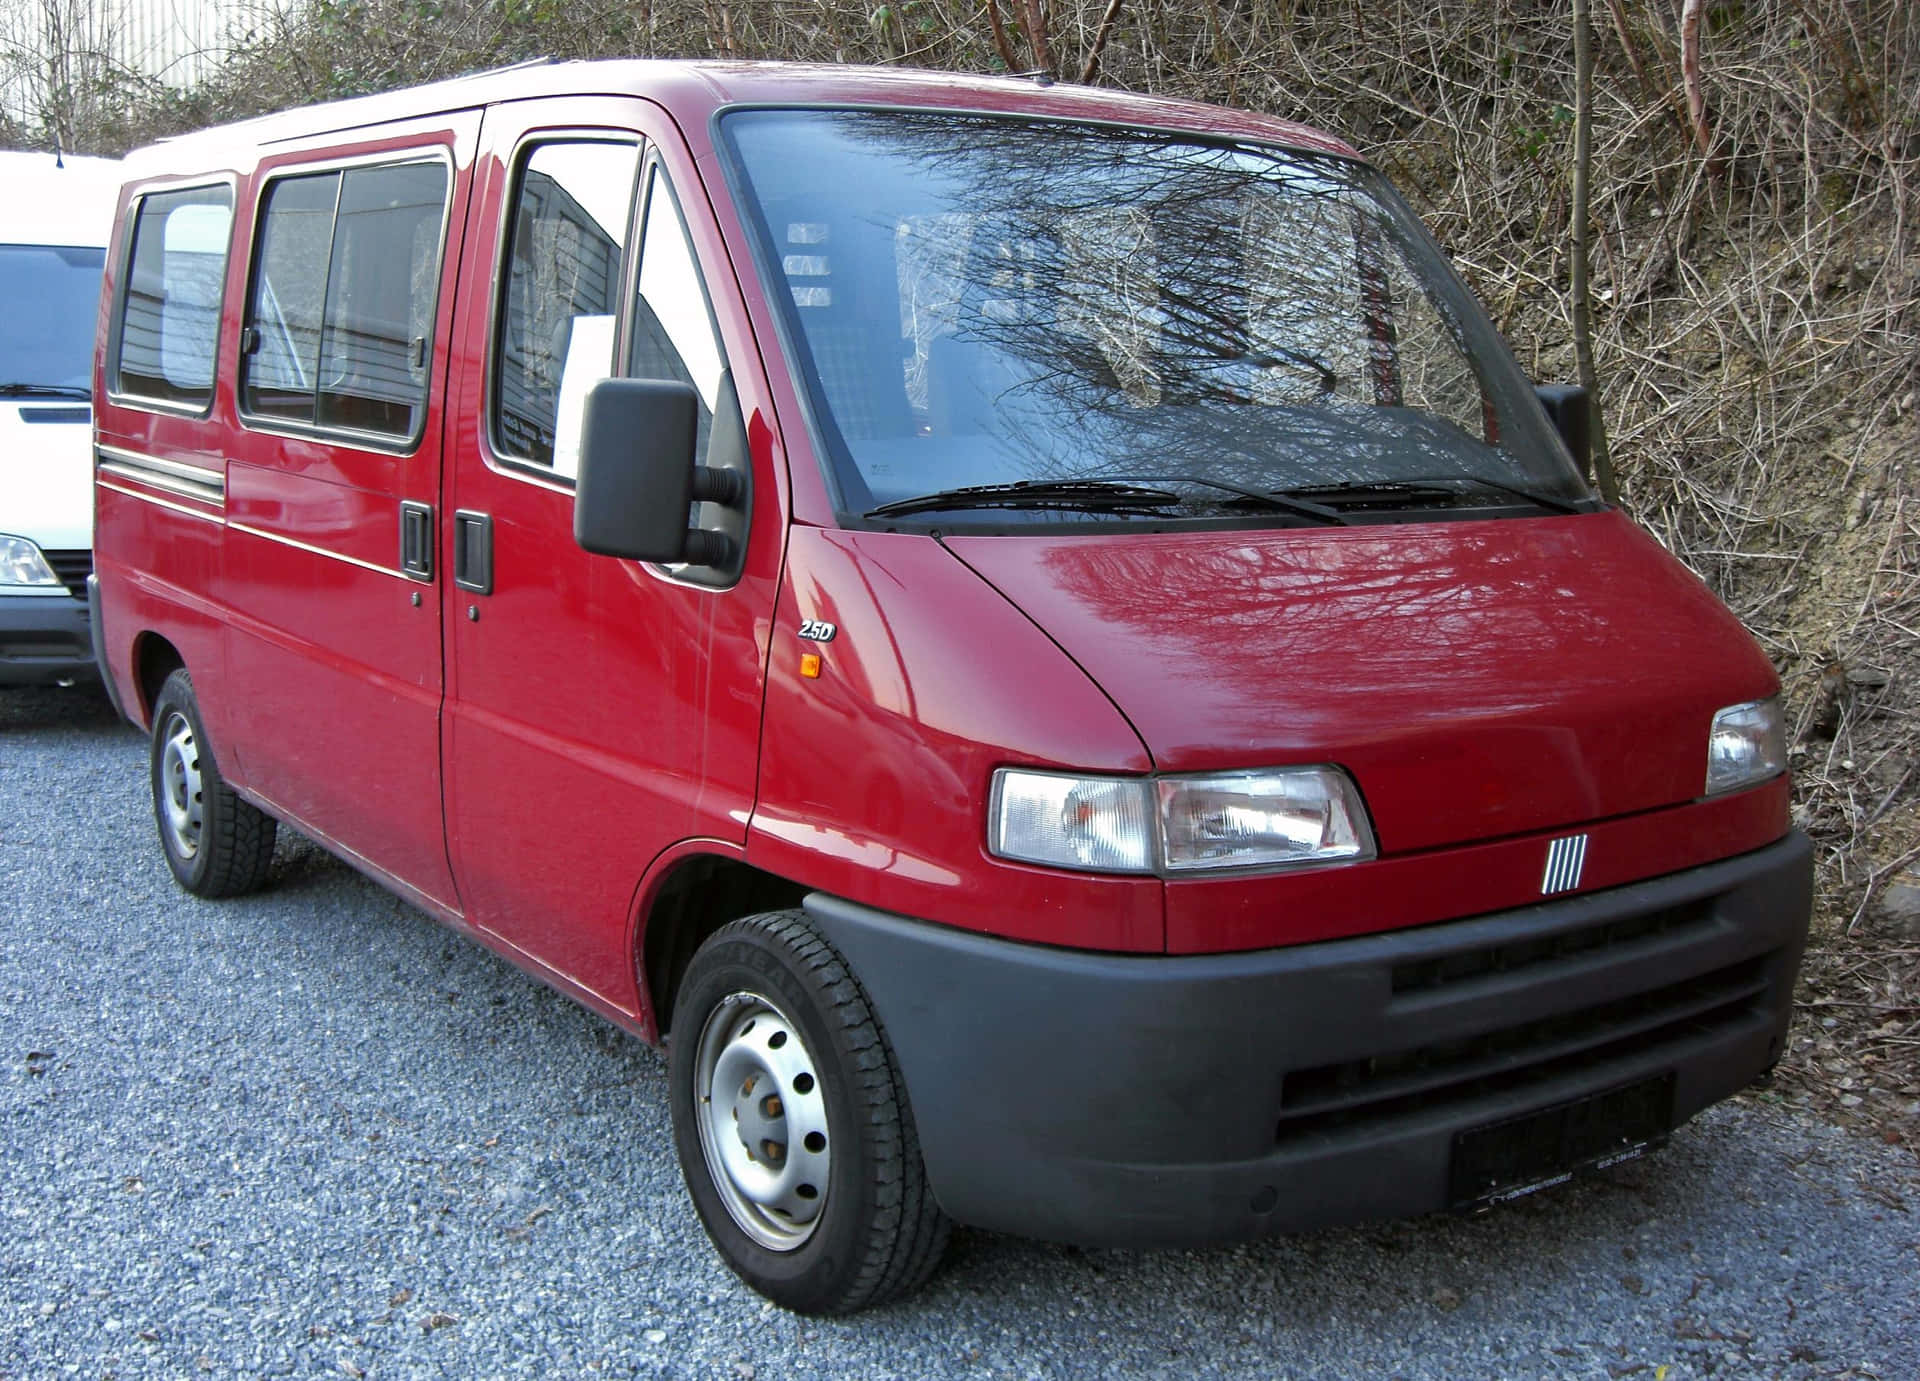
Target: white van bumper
(45, 640)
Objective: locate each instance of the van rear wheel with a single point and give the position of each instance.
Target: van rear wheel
(216, 844)
(792, 1125)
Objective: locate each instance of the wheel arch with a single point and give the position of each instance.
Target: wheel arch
(698, 893)
(154, 660)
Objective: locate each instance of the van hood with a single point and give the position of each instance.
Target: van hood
(46, 473)
(1478, 679)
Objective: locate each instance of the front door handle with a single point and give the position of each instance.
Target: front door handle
(416, 539)
(473, 552)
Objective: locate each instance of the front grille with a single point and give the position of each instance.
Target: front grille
(1423, 975)
(73, 568)
(57, 416)
(1406, 1081)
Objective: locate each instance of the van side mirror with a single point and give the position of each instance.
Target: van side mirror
(1569, 409)
(637, 477)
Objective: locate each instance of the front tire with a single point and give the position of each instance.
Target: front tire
(216, 844)
(792, 1124)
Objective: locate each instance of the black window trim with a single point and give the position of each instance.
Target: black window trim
(435, 151)
(120, 261)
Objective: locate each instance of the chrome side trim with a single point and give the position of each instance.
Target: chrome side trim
(174, 476)
(145, 497)
(320, 551)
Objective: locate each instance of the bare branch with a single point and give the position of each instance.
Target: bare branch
(1690, 74)
(1001, 43)
(1092, 64)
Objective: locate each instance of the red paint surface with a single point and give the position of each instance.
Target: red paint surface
(874, 777)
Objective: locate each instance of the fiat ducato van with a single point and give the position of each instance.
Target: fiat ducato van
(1035, 638)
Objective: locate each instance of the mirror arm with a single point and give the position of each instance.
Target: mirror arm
(724, 487)
(708, 548)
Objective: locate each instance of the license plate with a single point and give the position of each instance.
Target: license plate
(1505, 1160)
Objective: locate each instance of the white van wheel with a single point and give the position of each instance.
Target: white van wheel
(792, 1125)
(216, 844)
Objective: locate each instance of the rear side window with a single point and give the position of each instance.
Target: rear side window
(560, 297)
(340, 319)
(170, 312)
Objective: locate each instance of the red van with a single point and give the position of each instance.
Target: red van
(1035, 638)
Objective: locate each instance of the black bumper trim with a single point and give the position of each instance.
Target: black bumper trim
(44, 640)
(1138, 1100)
(101, 663)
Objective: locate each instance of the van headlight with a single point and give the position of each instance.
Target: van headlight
(1260, 819)
(22, 564)
(1747, 744)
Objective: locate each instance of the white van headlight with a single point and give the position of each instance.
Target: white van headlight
(22, 564)
(1747, 744)
(1258, 819)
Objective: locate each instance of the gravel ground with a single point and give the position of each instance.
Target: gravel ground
(312, 1134)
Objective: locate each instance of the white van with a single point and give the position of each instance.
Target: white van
(54, 223)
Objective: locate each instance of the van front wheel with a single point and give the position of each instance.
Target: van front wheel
(792, 1124)
(216, 844)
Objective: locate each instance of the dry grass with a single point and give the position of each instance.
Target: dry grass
(1757, 319)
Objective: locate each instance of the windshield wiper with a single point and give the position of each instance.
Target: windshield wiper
(1093, 496)
(1425, 491)
(1120, 493)
(1116, 494)
(1297, 502)
(44, 391)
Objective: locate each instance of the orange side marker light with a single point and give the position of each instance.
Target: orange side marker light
(810, 665)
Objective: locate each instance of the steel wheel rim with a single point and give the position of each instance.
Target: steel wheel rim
(182, 804)
(762, 1121)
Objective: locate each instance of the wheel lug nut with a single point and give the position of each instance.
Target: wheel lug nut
(770, 1106)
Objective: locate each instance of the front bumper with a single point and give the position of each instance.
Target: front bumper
(1132, 1101)
(44, 640)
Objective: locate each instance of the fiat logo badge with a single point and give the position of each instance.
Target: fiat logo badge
(1565, 858)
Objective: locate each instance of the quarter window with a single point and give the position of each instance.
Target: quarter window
(340, 321)
(673, 332)
(170, 313)
(561, 296)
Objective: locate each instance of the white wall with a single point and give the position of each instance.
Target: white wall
(176, 41)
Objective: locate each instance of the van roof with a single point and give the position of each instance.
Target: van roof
(693, 90)
(57, 199)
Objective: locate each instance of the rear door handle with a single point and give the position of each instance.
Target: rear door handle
(473, 552)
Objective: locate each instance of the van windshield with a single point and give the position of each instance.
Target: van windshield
(983, 302)
(52, 294)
